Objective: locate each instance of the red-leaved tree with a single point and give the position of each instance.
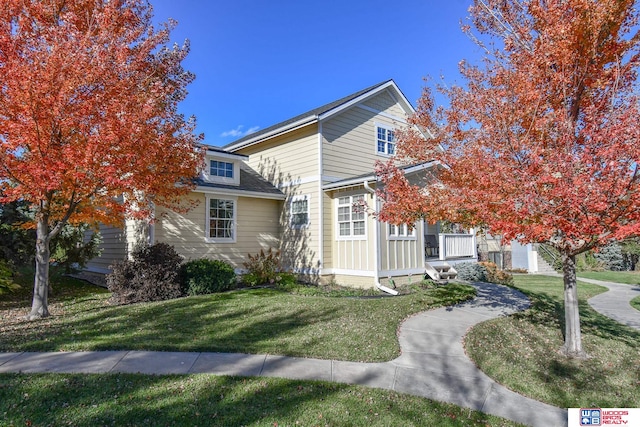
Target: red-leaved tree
(89, 126)
(542, 143)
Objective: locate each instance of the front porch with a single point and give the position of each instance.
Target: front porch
(450, 246)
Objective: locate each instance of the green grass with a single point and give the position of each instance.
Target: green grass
(626, 277)
(521, 351)
(136, 400)
(635, 303)
(255, 321)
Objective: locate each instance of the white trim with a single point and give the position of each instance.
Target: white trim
(349, 272)
(306, 197)
(391, 237)
(275, 132)
(237, 193)
(232, 156)
(384, 114)
(234, 220)
(214, 179)
(405, 272)
(388, 128)
(320, 197)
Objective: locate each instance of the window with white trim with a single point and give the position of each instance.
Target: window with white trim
(221, 169)
(300, 211)
(351, 217)
(402, 231)
(221, 220)
(386, 141)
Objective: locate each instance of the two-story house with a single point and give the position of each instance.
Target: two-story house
(309, 177)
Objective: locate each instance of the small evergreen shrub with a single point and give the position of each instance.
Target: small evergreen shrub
(152, 275)
(471, 272)
(262, 268)
(206, 276)
(612, 257)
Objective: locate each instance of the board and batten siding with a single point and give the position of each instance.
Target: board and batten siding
(353, 256)
(257, 228)
(401, 255)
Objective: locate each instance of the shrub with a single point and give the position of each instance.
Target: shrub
(495, 275)
(262, 268)
(152, 275)
(6, 278)
(471, 272)
(206, 276)
(612, 257)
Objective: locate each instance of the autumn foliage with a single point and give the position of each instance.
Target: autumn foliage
(89, 127)
(542, 143)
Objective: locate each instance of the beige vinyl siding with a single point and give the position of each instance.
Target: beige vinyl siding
(300, 244)
(385, 103)
(113, 247)
(349, 139)
(362, 282)
(287, 159)
(257, 228)
(291, 163)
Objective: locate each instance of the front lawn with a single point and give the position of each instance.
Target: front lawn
(627, 277)
(208, 400)
(521, 351)
(259, 321)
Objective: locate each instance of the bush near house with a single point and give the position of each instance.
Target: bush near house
(206, 276)
(483, 272)
(262, 268)
(152, 275)
(6, 278)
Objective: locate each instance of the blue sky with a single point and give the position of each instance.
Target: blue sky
(259, 62)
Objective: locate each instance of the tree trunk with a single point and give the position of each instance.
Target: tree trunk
(40, 306)
(572, 339)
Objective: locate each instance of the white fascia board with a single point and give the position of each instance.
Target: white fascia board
(221, 155)
(240, 193)
(361, 98)
(276, 132)
(349, 183)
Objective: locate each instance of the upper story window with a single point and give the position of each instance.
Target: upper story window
(351, 217)
(221, 169)
(386, 141)
(300, 211)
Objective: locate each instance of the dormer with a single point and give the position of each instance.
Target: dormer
(222, 167)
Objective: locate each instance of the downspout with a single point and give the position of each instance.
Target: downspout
(376, 252)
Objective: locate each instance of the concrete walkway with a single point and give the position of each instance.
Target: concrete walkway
(433, 363)
(615, 302)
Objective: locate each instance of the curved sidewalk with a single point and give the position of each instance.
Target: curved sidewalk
(433, 363)
(616, 302)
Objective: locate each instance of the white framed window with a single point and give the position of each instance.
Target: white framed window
(221, 169)
(385, 140)
(299, 211)
(351, 218)
(221, 219)
(402, 231)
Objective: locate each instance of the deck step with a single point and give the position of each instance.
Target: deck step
(441, 271)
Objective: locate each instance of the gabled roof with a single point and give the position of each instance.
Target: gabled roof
(317, 114)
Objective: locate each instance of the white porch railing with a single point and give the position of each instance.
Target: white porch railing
(457, 245)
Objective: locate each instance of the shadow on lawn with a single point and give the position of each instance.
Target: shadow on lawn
(128, 399)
